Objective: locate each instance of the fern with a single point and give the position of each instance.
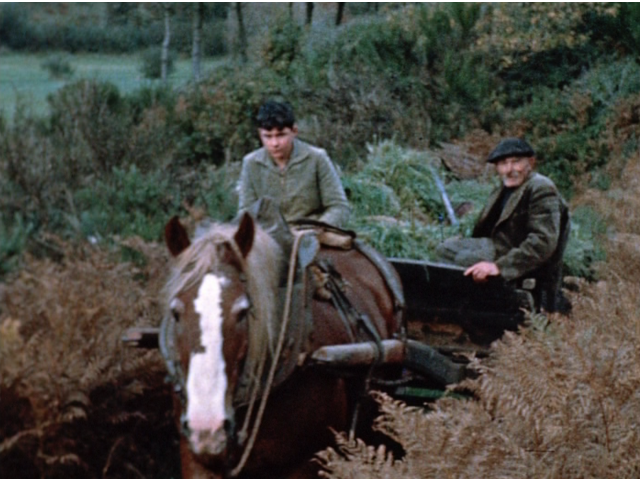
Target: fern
(558, 399)
(62, 359)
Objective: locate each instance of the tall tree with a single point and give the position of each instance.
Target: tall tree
(165, 42)
(242, 34)
(196, 51)
(309, 16)
(340, 13)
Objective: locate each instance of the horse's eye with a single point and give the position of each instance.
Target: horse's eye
(177, 308)
(240, 307)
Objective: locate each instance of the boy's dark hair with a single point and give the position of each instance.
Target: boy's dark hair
(273, 114)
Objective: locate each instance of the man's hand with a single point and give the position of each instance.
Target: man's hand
(482, 270)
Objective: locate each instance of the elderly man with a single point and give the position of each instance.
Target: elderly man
(300, 177)
(522, 231)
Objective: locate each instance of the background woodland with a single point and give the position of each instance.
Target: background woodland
(398, 94)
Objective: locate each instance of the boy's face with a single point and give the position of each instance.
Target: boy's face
(278, 142)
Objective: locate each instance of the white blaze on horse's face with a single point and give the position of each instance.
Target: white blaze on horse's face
(207, 380)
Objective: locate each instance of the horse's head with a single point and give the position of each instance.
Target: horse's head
(220, 302)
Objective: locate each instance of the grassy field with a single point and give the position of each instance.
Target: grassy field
(23, 77)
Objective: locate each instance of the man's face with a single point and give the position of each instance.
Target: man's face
(514, 170)
(279, 142)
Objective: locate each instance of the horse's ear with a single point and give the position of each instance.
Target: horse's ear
(245, 234)
(176, 237)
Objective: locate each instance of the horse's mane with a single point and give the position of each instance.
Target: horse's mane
(264, 266)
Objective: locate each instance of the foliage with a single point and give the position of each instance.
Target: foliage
(77, 28)
(13, 238)
(87, 126)
(282, 47)
(515, 31)
(585, 249)
(216, 193)
(216, 118)
(397, 206)
(151, 63)
(58, 66)
(552, 401)
(74, 401)
(406, 74)
(617, 27)
(129, 203)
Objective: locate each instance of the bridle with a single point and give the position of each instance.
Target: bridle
(175, 374)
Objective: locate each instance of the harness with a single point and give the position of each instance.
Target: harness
(293, 335)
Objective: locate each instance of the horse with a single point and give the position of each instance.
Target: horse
(248, 402)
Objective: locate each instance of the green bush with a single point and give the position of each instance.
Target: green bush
(130, 203)
(281, 48)
(410, 174)
(58, 66)
(30, 181)
(90, 128)
(397, 206)
(151, 63)
(567, 126)
(15, 28)
(216, 191)
(585, 248)
(13, 239)
(151, 97)
(370, 198)
(217, 121)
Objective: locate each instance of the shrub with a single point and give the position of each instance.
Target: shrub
(281, 48)
(130, 203)
(75, 401)
(549, 402)
(151, 63)
(13, 240)
(397, 206)
(89, 127)
(585, 249)
(216, 118)
(59, 66)
(370, 198)
(410, 175)
(15, 29)
(216, 192)
(30, 173)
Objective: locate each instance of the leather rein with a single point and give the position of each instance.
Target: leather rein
(168, 349)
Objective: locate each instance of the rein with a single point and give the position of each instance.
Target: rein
(281, 340)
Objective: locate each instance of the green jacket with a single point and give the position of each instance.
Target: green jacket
(309, 186)
(531, 232)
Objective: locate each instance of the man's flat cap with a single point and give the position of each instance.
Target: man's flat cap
(511, 147)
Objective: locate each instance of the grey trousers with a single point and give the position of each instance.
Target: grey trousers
(466, 251)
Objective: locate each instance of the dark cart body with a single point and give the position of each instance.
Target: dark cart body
(446, 316)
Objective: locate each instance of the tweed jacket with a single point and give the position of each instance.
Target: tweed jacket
(309, 186)
(531, 233)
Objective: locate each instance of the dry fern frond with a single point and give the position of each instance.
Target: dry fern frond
(64, 359)
(373, 463)
(558, 399)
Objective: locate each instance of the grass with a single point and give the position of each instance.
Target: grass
(22, 76)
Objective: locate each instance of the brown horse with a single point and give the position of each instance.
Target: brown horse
(223, 341)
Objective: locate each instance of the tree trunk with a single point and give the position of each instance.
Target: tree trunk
(340, 13)
(309, 18)
(165, 42)
(242, 34)
(196, 52)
